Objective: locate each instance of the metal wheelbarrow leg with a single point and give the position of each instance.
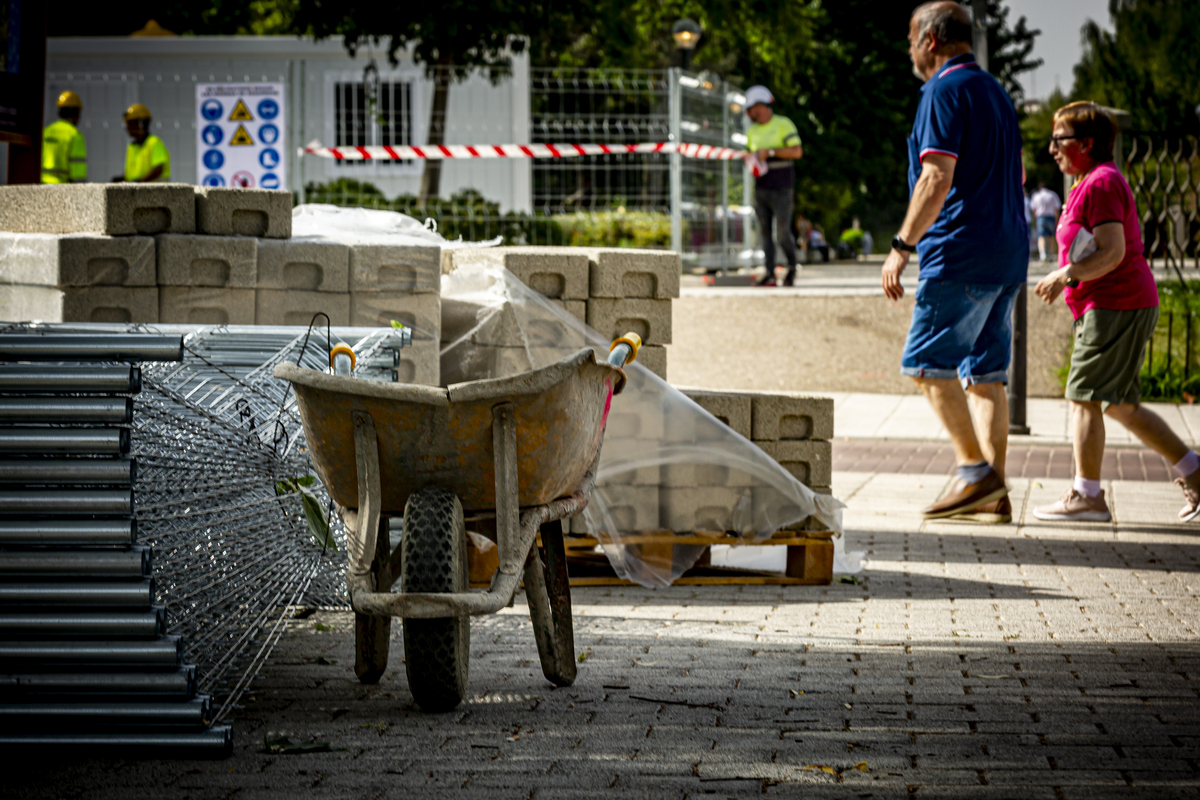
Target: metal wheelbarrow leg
(549, 595)
(372, 634)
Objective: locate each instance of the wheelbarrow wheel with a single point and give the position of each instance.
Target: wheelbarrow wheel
(433, 558)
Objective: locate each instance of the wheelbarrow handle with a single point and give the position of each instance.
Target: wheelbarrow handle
(624, 349)
(342, 359)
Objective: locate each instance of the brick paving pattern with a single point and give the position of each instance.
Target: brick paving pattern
(1022, 661)
(1024, 461)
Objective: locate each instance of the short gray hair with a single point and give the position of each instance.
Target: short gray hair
(948, 21)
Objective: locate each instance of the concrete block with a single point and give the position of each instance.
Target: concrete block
(810, 462)
(556, 273)
(295, 307)
(732, 408)
(654, 358)
(263, 213)
(644, 422)
(469, 362)
(507, 326)
(310, 266)
(225, 262)
(44, 259)
(115, 209)
(79, 304)
(196, 305)
(419, 364)
(771, 506)
(422, 312)
(691, 474)
(649, 319)
(631, 508)
(705, 508)
(576, 308)
(786, 416)
(623, 272)
(395, 268)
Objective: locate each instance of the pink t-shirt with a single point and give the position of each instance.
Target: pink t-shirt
(1104, 196)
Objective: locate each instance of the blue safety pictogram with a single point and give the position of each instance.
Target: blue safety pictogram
(269, 180)
(211, 109)
(214, 159)
(268, 108)
(212, 135)
(268, 134)
(269, 158)
(213, 179)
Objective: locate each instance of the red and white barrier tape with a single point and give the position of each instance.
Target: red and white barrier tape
(439, 151)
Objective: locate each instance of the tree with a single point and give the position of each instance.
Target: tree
(1149, 65)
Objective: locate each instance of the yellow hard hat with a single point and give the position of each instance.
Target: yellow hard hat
(137, 111)
(69, 100)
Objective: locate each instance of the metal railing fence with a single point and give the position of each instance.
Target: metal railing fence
(1164, 173)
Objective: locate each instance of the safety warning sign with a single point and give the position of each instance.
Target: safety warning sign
(240, 135)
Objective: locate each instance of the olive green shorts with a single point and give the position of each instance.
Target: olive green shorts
(1109, 349)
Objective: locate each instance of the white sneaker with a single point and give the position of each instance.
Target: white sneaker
(1191, 493)
(1075, 507)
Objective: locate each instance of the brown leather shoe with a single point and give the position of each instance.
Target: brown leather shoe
(963, 496)
(997, 512)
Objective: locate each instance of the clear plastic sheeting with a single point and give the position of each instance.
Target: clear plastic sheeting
(323, 222)
(667, 467)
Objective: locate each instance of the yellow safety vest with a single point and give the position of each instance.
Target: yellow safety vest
(140, 159)
(64, 154)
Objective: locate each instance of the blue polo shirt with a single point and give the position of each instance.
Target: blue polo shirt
(981, 235)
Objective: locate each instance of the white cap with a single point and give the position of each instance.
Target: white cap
(758, 94)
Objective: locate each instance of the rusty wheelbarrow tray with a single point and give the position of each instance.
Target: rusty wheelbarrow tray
(525, 446)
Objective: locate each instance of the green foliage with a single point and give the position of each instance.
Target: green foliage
(1149, 65)
(315, 515)
(1036, 128)
(1172, 367)
(618, 228)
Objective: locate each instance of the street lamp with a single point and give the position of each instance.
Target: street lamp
(686, 33)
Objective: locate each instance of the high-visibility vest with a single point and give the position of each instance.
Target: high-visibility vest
(64, 154)
(140, 159)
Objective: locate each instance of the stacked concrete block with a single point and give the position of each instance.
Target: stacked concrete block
(298, 279)
(205, 305)
(113, 209)
(77, 277)
(556, 273)
(394, 283)
(206, 279)
(732, 408)
(265, 213)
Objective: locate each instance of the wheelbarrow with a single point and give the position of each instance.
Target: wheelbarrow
(522, 448)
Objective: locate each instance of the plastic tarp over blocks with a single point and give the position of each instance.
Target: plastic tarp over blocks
(226, 211)
(654, 437)
(41, 259)
(114, 209)
(199, 305)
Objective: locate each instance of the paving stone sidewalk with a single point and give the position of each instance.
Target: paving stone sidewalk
(1022, 661)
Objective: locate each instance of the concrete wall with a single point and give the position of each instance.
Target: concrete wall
(111, 73)
(835, 344)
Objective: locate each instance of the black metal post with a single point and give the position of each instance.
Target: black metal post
(1016, 370)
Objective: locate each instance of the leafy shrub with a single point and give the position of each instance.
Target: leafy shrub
(617, 228)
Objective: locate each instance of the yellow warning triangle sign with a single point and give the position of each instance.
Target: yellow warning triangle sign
(240, 136)
(240, 113)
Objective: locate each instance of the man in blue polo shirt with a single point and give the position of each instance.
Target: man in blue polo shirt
(966, 222)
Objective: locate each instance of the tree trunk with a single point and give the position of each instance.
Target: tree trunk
(431, 177)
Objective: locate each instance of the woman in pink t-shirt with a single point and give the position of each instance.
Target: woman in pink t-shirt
(1111, 292)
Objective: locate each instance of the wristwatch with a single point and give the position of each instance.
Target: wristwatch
(771, 153)
(900, 244)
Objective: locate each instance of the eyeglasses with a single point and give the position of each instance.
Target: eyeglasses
(1060, 139)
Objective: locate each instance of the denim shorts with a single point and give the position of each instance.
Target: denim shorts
(1045, 226)
(961, 330)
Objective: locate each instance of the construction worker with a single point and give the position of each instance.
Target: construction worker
(64, 152)
(146, 158)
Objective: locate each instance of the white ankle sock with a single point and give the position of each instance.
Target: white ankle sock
(1087, 486)
(1187, 465)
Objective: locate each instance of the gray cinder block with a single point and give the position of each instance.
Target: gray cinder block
(785, 416)
(421, 312)
(419, 364)
(227, 262)
(649, 319)
(557, 273)
(115, 209)
(44, 259)
(197, 305)
(644, 423)
(576, 308)
(506, 326)
(810, 462)
(395, 268)
(79, 304)
(632, 508)
(622, 272)
(706, 508)
(295, 307)
(471, 362)
(732, 408)
(223, 211)
(310, 266)
(654, 358)
(691, 474)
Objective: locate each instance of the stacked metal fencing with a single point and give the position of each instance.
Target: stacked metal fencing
(161, 527)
